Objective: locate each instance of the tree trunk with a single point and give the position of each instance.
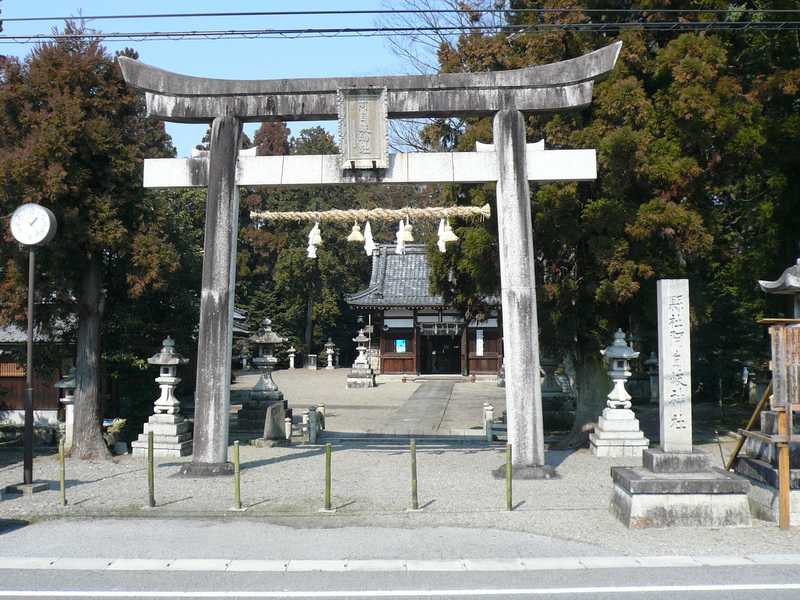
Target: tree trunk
(88, 438)
(591, 388)
(309, 324)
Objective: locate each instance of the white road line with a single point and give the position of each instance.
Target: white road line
(212, 565)
(564, 591)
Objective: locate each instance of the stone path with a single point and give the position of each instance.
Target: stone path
(422, 413)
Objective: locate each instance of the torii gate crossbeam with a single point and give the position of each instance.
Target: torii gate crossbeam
(227, 104)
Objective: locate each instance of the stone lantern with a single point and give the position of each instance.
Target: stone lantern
(617, 432)
(291, 351)
(651, 366)
(619, 356)
(361, 375)
(330, 350)
(171, 435)
(66, 386)
(253, 416)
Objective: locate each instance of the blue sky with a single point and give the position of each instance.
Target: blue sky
(241, 58)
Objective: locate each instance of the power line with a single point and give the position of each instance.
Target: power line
(493, 11)
(591, 26)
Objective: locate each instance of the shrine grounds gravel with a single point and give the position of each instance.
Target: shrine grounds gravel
(371, 488)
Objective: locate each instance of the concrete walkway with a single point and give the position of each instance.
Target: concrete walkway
(423, 412)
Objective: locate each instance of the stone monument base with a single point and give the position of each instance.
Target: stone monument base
(526, 472)
(198, 469)
(360, 378)
(251, 417)
(618, 434)
(679, 490)
(171, 436)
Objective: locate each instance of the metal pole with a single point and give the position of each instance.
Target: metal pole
(237, 490)
(151, 476)
(509, 505)
(61, 473)
(27, 477)
(327, 477)
(414, 498)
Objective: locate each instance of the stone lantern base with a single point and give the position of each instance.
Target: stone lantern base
(617, 434)
(360, 377)
(255, 405)
(171, 436)
(679, 489)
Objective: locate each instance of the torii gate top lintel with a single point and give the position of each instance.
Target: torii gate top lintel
(554, 86)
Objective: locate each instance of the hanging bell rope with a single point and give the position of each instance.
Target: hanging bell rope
(377, 214)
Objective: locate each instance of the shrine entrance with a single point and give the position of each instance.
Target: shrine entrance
(440, 354)
(363, 107)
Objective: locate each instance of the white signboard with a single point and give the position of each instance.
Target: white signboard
(363, 128)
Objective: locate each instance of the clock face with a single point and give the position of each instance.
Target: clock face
(32, 224)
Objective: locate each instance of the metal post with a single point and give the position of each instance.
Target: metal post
(327, 477)
(414, 499)
(508, 478)
(61, 473)
(27, 468)
(151, 477)
(237, 490)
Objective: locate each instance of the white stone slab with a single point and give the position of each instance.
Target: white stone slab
(414, 167)
(674, 365)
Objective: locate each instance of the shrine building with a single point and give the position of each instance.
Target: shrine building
(415, 331)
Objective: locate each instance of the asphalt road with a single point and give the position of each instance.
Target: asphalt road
(722, 582)
(156, 558)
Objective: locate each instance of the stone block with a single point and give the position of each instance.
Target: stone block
(763, 500)
(658, 461)
(172, 449)
(165, 439)
(639, 511)
(617, 434)
(167, 428)
(164, 418)
(638, 480)
(768, 452)
(759, 470)
(618, 424)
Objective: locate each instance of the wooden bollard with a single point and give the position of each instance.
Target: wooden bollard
(151, 473)
(327, 477)
(784, 474)
(62, 473)
(237, 473)
(414, 499)
(509, 505)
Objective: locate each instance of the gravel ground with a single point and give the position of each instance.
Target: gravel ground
(371, 486)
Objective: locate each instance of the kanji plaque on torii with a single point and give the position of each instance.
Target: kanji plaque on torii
(226, 104)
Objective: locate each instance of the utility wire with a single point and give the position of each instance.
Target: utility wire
(591, 26)
(494, 11)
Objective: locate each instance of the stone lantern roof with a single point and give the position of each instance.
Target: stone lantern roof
(265, 335)
(619, 349)
(787, 283)
(167, 357)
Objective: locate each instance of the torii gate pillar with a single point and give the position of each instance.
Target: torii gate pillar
(518, 293)
(212, 397)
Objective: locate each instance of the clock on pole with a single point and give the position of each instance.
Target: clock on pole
(32, 225)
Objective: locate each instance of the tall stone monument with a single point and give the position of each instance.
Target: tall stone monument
(676, 486)
(171, 435)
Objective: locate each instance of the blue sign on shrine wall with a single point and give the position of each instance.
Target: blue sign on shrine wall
(400, 345)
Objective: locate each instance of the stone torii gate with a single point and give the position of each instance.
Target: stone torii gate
(362, 105)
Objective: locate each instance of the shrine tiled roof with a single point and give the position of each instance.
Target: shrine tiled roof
(398, 280)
